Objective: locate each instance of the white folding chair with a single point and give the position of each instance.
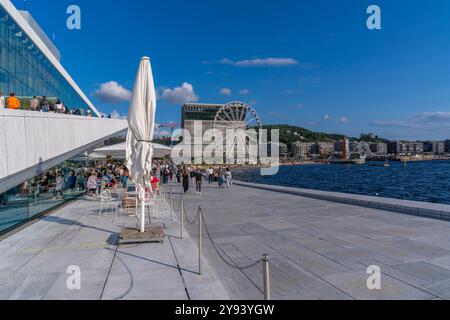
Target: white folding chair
(108, 204)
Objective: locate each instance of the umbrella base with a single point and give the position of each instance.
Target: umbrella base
(132, 236)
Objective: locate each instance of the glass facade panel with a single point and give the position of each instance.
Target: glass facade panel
(40, 194)
(25, 70)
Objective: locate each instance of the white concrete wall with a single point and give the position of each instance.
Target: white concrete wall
(29, 138)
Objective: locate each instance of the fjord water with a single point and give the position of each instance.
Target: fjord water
(419, 181)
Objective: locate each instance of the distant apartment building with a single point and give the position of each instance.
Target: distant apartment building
(360, 147)
(401, 148)
(301, 149)
(284, 150)
(380, 149)
(434, 147)
(447, 146)
(323, 148)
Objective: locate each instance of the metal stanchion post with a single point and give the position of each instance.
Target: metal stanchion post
(182, 218)
(171, 204)
(200, 220)
(265, 262)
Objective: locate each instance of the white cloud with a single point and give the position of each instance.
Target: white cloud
(343, 120)
(180, 95)
(426, 119)
(226, 61)
(326, 117)
(244, 92)
(225, 92)
(112, 92)
(266, 62)
(116, 115)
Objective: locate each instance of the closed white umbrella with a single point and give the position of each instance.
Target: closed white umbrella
(141, 127)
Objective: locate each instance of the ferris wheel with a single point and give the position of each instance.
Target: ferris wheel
(237, 115)
(233, 120)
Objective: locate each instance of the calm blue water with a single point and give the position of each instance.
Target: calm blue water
(420, 181)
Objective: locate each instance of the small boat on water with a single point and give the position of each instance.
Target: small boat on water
(386, 164)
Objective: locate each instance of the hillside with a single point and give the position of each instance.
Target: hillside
(291, 134)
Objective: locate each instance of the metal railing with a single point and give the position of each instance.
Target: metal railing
(199, 219)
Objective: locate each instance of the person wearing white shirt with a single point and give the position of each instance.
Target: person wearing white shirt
(2, 101)
(210, 175)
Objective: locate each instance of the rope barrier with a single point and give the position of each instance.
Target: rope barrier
(191, 222)
(200, 218)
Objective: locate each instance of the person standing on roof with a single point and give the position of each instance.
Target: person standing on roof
(13, 102)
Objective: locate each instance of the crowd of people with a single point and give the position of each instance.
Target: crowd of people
(192, 176)
(40, 104)
(92, 180)
(89, 180)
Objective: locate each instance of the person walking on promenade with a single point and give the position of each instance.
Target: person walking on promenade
(221, 180)
(13, 102)
(2, 101)
(178, 170)
(185, 177)
(210, 175)
(193, 174)
(229, 178)
(166, 176)
(199, 181)
(35, 104)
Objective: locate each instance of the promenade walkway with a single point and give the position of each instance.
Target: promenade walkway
(320, 249)
(34, 261)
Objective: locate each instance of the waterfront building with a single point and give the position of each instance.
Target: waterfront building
(36, 146)
(414, 148)
(447, 146)
(323, 148)
(396, 148)
(434, 147)
(401, 148)
(198, 118)
(30, 63)
(361, 148)
(379, 149)
(302, 150)
(284, 150)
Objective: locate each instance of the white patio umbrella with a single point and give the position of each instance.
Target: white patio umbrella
(141, 127)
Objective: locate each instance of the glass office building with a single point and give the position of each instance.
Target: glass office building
(30, 66)
(26, 70)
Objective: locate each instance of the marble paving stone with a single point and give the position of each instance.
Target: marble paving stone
(355, 284)
(317, 249)
(429, 272)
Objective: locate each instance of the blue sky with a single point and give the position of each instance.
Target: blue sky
(328, 72)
